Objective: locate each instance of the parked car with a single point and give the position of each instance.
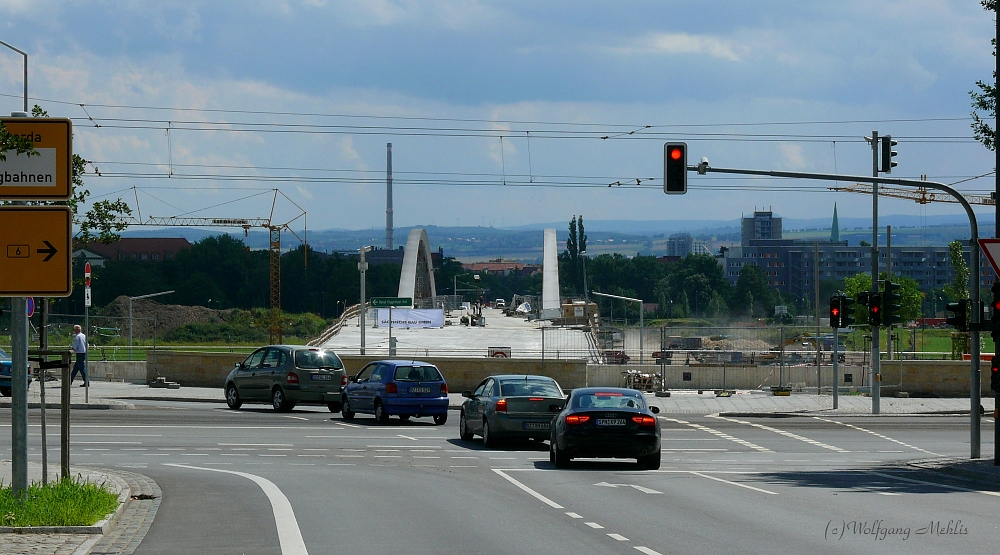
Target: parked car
(285, 375)
(6, 374)
(606, 422)
(499, 303)
(510, 406)
(403, 388)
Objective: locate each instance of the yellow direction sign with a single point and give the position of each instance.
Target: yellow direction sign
(46, 174)
(35, 254)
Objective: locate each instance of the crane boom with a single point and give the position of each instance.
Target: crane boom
(920, 196)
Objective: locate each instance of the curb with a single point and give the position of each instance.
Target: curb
(939, 465)
(177, 399)
(104, 404)
(831, 412)
(101, 527)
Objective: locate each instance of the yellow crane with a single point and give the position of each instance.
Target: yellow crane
(274, 248)
(920, 196)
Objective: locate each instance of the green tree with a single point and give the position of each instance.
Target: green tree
(985, 99)
(753, 295)
(911, 299)
(958, 289)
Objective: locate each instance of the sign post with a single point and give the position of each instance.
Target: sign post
(86, 300)
(389, 302)
(991, 247)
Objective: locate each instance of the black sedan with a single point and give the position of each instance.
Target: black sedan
(611, 422)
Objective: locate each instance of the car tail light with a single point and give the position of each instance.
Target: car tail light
(502, 405)
(391, 387)
(534, 399)
(292, 378)
(444, 389)
(343, 380)
(577, 418)
(644, 420)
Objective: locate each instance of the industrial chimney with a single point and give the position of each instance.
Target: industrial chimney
(388, 196)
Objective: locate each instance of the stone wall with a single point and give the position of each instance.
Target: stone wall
(464, 374)
(192, 369)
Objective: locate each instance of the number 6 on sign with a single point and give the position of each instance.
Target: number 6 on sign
(18, 251)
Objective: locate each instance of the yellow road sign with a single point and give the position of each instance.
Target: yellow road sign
(35, 251)
(46, 175)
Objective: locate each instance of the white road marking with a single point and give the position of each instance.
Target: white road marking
(341, 464)
(783, 432)
(107, 443)
(946, 486)
(594, 525)
(886, 493)
(234, 454)
(256, 444)
(640, 488)
(406, 437)
(463, 466)
(618, 537)
(528, 490)
(646, 550)
(289, 535)
(722, 435)
(876, 434)
(194, 454)
(732, 483)
(694, 450)
(573, 515)
(296, 417)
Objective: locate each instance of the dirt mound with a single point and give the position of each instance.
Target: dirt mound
(149, 316)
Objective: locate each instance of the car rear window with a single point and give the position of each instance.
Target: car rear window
(417, 374)
(530, 388)
(607, 400)
(317, 358)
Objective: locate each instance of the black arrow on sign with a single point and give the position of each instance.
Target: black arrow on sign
(51, 251)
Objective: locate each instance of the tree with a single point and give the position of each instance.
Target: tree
(958, 289)
(985, 100)
(911, 299)
(753, 293)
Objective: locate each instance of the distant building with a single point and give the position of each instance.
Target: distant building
(682, 244)
(502, 267)
(148, 249)
(762, 226)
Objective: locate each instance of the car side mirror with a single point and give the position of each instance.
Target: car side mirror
(354, 379)
(654, 410)
(467, 394)
(241, 366)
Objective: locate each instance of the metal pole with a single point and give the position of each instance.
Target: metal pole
(130, 328)
(392, 352)
(43, 345)
(876, 337)
(888, 278)
(819, 349)
(642, 324)
(363, 266)
(781, 360)
(25, 54)
(19, 395)
(64, 417)
(836, 361)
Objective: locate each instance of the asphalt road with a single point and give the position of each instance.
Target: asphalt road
(727, 485)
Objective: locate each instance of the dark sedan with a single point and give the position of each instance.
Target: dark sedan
(511, 406)
(610, 422)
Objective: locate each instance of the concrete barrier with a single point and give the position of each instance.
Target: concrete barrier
(192, 369)
(132, 371)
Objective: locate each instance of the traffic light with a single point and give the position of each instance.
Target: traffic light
(874, 309)
(995, 375)
(675, 168)
(995, 315)
(846, 311)
(891, 304)
(835, 312)
(888, 153)
(961, 318)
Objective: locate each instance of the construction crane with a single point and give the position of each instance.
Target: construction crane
(920, 196)
(275, 327)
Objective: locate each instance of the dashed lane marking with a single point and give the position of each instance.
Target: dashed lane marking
(717, 433)
(594, 525)
(732, 483)
(646, 550)
(528, 490)
(782, 432)
(573, 515)
(878, 435)
(618, 537)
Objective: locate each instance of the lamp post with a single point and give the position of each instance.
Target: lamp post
(363, 267)
(25, 54)
(586, 294)
(130, 299)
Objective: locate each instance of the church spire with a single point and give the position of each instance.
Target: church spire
(835, 228)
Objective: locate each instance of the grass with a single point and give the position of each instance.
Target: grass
(68, 502)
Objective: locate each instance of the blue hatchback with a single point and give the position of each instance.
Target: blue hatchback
(404, 388)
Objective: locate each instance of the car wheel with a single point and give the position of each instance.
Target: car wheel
(552, 451)
(463, 428)
(404, 417)
(489, 440)
(278, 401)
(560, 457)
(333, 406)
(381, 416)
(440, 419)
(650, 462)
(345, 410)
(233, 397)
(5, 391)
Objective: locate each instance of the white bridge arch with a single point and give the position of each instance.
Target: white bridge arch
(416, 280)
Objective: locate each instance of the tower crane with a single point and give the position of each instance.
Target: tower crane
(920, 196)
(274, 247)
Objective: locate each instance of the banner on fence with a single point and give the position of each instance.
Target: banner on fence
(411, 318)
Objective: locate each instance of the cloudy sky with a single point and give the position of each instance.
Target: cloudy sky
(501, 113)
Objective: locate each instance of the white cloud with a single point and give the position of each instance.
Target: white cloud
(792, 155)
(683, 43)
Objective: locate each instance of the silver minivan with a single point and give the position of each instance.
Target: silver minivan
(284, 375)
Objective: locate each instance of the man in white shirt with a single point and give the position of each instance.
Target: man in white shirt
(80, 348)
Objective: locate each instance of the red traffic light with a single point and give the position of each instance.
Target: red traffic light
(675, 153)
(835, 311)
(675, 168)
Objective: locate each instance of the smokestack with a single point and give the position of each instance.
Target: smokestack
(388, 196)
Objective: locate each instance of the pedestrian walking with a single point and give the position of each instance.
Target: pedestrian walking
(80, 348)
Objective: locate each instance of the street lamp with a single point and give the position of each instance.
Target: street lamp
(363, 267)
(130, 299)
(25, 54)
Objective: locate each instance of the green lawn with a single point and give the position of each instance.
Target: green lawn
(64, 503)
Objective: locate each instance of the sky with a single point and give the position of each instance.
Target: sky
(501, 113)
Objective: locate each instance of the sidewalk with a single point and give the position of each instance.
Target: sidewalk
(118, 395)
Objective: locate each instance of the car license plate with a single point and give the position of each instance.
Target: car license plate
(420, 390)
(536, 426)
(321, 377)
(610, 421)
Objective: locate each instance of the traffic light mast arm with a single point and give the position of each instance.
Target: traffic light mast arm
(704, 168)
